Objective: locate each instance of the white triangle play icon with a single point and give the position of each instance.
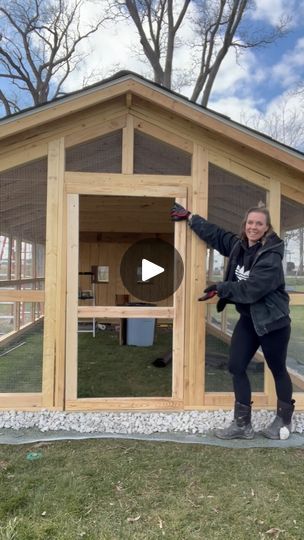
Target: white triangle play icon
(149, 269)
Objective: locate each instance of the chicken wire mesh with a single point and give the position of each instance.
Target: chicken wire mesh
(23, 192)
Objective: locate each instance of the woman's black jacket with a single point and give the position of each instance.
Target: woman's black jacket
(264, 290)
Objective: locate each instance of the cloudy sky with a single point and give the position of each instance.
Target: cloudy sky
(257, 83)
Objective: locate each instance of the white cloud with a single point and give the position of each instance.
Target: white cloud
(112, 48)
(235, 90)
(290, 103)
(290, 69)
(283, 120)
(235, 107)
(238, 79)
(272, 10)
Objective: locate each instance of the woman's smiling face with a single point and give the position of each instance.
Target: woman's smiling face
(255, 227)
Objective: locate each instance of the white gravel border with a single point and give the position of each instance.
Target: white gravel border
(200, 422)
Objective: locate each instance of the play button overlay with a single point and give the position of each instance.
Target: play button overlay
(151, 270)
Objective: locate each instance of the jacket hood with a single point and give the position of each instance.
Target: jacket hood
(274, 243)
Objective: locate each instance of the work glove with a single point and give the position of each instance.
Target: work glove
(179, 213)
(210, 291)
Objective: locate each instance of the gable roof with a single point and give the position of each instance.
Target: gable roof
(128, 81)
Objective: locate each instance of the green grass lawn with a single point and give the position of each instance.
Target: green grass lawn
(107, 369)
(217, 377)
(21, 363)
(135, 490)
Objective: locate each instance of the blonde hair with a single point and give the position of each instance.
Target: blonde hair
(260, 209)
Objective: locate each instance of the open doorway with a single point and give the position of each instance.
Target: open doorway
(116, 352)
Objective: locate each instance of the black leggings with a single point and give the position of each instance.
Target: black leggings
(244, 344)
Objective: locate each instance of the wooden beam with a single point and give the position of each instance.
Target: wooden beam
(76, 129)
(225, 400)
(21, 296)
(52, 263)
(123, 312)
(62, 108)
(25, 154)
(23, 281)
(109, 404)
(246, 172)
(102, 127)
(126, 184)
(129, 100)
(178, 385)
(195, 376)
(296, 299)
(23, 401)
(72, 297)
(292, 193)
(128, 146)
(164, 135)
(61, 270)
(274, 206)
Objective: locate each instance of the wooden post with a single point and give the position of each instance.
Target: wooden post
(34, 275)
(274, 205)
(72, 296)
(195, 328)
(179, 314)
(128, 146)
(17, 276)
(54, 320)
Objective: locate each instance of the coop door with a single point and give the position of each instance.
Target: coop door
(125, 301)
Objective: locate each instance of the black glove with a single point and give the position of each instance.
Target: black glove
(178, 212)
(210, 291)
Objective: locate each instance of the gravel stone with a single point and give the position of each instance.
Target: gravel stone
(194, 422)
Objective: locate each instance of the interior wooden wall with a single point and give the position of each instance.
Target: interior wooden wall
(109, 253)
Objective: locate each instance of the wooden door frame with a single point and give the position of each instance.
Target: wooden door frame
(135, 186)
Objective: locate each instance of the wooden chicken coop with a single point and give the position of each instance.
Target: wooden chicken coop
(83, 179)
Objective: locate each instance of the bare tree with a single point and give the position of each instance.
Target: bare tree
(216, 27)
(39, 49)
(285, 123)
(157, 27)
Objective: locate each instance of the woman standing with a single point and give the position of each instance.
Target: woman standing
(254, 282)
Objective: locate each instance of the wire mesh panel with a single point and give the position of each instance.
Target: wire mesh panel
(295, 355)
(23, 193)
(108, 369)
(292, 231)
(215, 266)
(103, 154)
(230, 196)
(152, 156)
(23, 202)
(21, 356)
(217, 376)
